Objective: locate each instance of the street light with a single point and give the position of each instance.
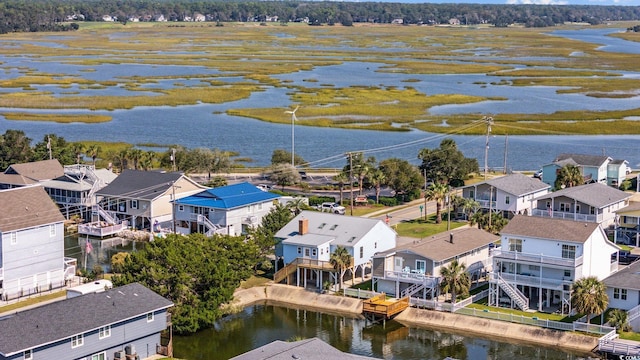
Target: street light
(293, 119)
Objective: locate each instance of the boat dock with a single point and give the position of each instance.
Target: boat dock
(380, 308)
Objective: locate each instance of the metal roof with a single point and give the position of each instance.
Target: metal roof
(228, 197)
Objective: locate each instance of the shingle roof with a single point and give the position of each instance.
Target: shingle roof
(26, 207)
(582, 159)
(15, 179)
(439, 247)
(37, 170)
(308, 349)
(627, 278)
(633, 206)
(137, 184)
(518, 184)
(345, 229)
(228, 197)
(62, 319)
(595, 194)
(551, 229)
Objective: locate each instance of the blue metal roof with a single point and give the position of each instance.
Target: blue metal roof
(228, 197)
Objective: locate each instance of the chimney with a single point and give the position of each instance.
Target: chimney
(303, 226)
(451, 238)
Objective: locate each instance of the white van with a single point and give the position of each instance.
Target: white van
(89, 288)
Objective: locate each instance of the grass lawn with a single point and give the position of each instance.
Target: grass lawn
(482, 305)
(419, 228)
(33, 300)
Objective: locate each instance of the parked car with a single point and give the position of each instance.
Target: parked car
(332, 207)
(538, 174)
(303, 175)
(263, 187)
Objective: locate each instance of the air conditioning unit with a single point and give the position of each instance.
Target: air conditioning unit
(119, 355)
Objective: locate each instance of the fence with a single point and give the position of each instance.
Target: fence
(360, 294)
(41, 289)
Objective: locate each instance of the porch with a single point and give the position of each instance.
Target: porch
(556, 214)
(101, 228)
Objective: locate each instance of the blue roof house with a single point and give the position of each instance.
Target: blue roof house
(120, 323)
(231, 210)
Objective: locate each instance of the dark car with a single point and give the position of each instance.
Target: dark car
(303, 175)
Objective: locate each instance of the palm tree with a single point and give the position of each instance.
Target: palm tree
(341, 261)
(78, 150)
(619, 319)
(341, 179)
(136, 155)
(437, 192)
(568, 176)
(377, 179)
(297, 204)
(469, 207)
(589, 296)
(455, 279)
(93, 151)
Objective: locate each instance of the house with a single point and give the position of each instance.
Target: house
(231, 209)
(540, 258)
(72, 187)
(119, 323)
(139, 198)
(414, 268)
(593, 202)
(623, 290)
(307, 241)
(512, 194)
(628, 225)
(310, 349)
(31, 243)
(594, 168)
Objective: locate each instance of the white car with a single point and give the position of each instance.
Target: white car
(263, 187)
(332, 207)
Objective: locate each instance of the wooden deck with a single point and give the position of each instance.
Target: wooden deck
(381, 307)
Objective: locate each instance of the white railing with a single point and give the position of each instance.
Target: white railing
(538, 258)
(430, 304)
(414, 277)
(213, 228)
(529, 280)
(516, 295)
(95, 229)
(631, 314)
(104, 214)
(486, 204)
(360, 294)
(567, 215)
(411, 290)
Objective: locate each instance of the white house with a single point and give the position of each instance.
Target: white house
(511, 195)
(31, 243)
(540, 258)
(309, 239)
(231, 209)
(623, 290)
(593, 202)
(414, 269)
(594, 168)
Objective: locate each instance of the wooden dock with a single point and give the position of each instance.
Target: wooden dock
(380, 308)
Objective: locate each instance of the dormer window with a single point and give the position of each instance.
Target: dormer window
(333, 227)
(322, 225)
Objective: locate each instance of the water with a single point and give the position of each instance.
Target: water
(259, 325)
(206, 125)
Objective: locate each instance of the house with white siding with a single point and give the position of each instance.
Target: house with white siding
(413, 269)
(510, 195)
(232, 209)
(594, 168)
(31, 243)
(540, 258)
(120, 323)
(623, 290)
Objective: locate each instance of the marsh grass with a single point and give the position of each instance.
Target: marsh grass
(59, 118)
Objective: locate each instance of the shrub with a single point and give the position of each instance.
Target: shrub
(388, 201)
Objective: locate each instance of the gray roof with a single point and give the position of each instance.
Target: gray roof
(549, 229)
(308, 239)
(27, 207)
(37, 170)
(627, 278)
(595, 194)
(308, 349)
(63, 319)
(582, 159)
(137, 184)
(633, 206)
(344, 227)
(439, 247)
(518, 184)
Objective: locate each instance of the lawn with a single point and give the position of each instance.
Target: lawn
(33, 300)
(419, 228)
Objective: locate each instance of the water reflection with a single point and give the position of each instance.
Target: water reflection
(259, 325)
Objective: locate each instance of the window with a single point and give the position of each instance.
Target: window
(52, 230)
(134, 204)
(149, 317)
(616, 293)
(471, 194)
(28, 354)
(14, 238)
(565, 207)
(515, 245)
(100, 356)
(249, 209)
(567, 273)
(314, 252)
(375, 245)
(577, 208)
(421, 266)
(322, 225)
(361, 252)
(299, 250)
(333, 227)
(104, 332)
(306, 252)
(568, 251)
(76, 341)
(506, 200)
(180, 207)
(620, 294)
(592, 210)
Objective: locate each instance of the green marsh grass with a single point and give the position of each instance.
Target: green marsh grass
(59, 118)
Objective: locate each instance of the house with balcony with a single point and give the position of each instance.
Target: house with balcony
(623, 290)
(232, 210)
(540, 258)
(510, 195)
(140, 199)
(306, 243)
(119, 323)
(414, 269)
(627, 222)
(31, 243)
(594, 168)
(593, 202)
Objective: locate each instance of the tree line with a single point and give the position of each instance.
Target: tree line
(65, 15)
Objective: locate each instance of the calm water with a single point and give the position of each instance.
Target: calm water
(206, 125)
(259, 325)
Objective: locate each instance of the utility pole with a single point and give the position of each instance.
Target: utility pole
(350, 181)
(489, 121)
(425, 194)
(490, 202)
(173, 159)
(173, 207)
(49, 146)
(448, 208)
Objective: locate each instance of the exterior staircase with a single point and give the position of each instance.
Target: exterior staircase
(105, 215)
(516, 295)
(284, 272)
(411, 290)
(213, 228)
